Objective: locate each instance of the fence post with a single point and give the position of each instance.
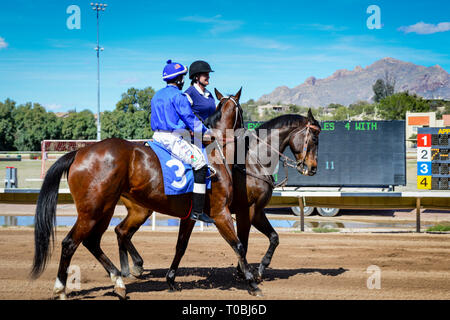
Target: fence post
(154, 221)
(417, 214)
(301, 204)
(11, 178)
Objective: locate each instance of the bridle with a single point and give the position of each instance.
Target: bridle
(239, 110)
(287, 162)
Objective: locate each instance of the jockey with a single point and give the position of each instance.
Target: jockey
(202, 100)
(171, 113)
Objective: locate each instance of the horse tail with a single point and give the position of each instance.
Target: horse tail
(45, 217)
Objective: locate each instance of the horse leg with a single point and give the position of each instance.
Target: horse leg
(92, 243)
(184, 234)
(137, 215)
(224, 224)
(69, 246)
(243, 230)
(261, 223)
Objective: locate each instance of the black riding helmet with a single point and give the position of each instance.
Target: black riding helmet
(199, 67)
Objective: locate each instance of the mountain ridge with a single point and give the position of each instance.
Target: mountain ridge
(349, 86)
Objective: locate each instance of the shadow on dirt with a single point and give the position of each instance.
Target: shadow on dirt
(213, 278)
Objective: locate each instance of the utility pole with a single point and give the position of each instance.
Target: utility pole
(98, 7)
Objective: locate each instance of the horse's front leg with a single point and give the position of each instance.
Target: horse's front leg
(224, 224)
(184, 234)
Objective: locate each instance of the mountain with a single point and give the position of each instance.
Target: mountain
(348, 86)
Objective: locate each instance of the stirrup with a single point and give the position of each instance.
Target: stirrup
(212, 171)
(201, 217)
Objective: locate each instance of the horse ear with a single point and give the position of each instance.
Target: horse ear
(310, 115)
(219, 96)
(238, 94)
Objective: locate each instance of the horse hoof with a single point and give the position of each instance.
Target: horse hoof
(256, 292)
(61, 296)
(131, 277)
(121, 292)
(174, 288)
(137, 271)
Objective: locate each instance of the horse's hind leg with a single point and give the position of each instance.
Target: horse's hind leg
(69, 246)
(92, 243)
(137, 215)
(261, 223)
(184, 233)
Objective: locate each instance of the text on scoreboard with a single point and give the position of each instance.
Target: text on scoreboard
(432, 158)
(354, 154)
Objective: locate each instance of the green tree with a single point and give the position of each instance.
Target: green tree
(7, 125)
(79, 126)
(341, 113)
(394, 107)
(34, 124)
(136, 99)
(383, 87)
(126, 125)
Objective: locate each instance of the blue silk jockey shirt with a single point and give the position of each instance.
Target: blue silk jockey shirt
(171, 110)
(203, 105)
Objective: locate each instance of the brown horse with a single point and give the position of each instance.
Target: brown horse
(100, 174)
(252, 189)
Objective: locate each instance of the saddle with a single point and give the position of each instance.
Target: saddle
(178, 176)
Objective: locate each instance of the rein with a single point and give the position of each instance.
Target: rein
(287, 162)
(219, 146)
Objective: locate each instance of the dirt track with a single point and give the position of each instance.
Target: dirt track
(305, 266)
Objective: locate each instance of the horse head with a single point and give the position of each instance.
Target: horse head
(228, 114)
(304, 144)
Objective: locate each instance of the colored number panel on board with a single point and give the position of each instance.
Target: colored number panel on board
(433, 158)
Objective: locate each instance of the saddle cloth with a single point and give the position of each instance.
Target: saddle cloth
(178, 176)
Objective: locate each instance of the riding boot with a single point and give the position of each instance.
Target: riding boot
(198, 196)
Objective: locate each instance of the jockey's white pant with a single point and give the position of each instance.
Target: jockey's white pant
(183, 150)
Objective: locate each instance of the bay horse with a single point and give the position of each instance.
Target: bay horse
(250, 196)
(98, 175)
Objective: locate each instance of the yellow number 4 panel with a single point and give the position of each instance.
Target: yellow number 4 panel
(424, 182)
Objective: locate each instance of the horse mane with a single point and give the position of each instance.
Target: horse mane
(211, 121)
(285, 120)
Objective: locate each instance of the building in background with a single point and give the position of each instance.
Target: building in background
(416, 120)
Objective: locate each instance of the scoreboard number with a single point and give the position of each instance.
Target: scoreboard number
(424, 140)
(424, 168)
(423, 154)
(424, 182)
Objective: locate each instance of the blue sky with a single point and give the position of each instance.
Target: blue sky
(254, 44)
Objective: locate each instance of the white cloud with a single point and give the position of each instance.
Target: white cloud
(3, 43)
(129, 80)
(426, 28)
(323, 27)
(217, 24)
(263, 43)
(53, 107)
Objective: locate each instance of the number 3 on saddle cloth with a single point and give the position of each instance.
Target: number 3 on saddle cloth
(178, 176)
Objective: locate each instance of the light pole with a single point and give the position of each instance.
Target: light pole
(98, 7)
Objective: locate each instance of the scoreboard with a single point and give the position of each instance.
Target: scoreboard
(432, 158)
(354, 154)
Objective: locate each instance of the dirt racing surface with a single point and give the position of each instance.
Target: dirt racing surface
(305, 266)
